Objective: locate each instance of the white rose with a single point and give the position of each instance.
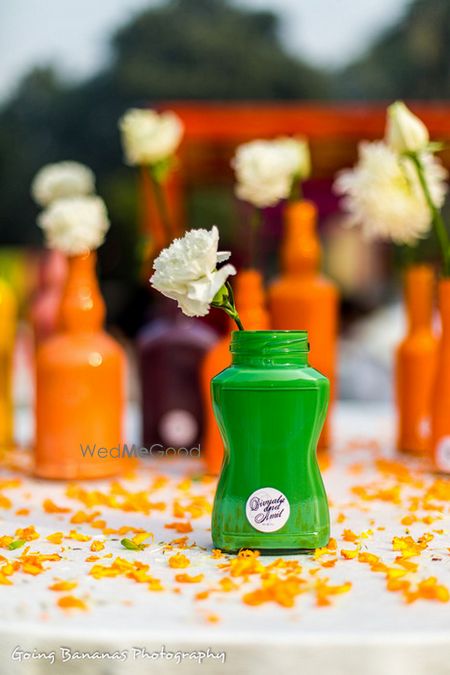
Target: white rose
(382, 193)
(149, 137)
(63, 179)
(75, 225)
(262, 176)
(405, 132)
(186, 271)
(296, 155)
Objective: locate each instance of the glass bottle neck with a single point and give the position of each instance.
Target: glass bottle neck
(444, 306)
(82, 307)
(419, 286)
(300, 251)
(269, 348)
(275, 361)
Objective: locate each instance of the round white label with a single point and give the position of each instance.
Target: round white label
(267, 509)
(178, 427)
(443, 454)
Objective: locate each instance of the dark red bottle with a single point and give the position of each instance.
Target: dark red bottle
(170, 351)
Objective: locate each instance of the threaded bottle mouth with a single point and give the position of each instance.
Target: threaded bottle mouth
(269, 343)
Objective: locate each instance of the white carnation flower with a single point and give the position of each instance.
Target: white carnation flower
(75, 225)
(264, 172)
(405, 132)
(63, 179)
(187, 271)
(382, 193)
(149, 137)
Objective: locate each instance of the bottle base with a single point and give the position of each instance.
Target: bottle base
(413, 450)
(56, 471)
(271, 545)
(271, 551)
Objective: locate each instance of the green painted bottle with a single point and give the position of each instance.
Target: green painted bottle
(270, 406)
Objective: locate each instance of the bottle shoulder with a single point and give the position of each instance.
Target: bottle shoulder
(68, 347)
(423, 340)
(304, 377)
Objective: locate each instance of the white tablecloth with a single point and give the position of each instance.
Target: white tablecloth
(368, 630)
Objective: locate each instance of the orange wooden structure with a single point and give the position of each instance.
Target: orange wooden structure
(333, 130)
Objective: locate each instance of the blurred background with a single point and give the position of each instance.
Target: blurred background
(233, 70)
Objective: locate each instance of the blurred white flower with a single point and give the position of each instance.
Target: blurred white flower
(75, 225)
(63, 179)
(297, 156)
(265, 171)
(187, 271)
(149, 137)
(382, 193)
(405, 132)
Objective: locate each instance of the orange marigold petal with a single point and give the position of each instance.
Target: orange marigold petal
(188, 579)
(63, 586)
(49, 506)
(71, 602)
(179, 560)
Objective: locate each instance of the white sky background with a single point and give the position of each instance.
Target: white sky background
(74, 33)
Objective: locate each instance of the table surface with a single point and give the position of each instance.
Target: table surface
(367, 596)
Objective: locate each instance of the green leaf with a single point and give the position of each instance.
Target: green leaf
(131, 546)
(16, 544)
(221, 297)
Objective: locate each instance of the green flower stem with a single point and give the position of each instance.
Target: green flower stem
(229, 288)
(161, 204)
(226, 303)
(438, 222)
(255, 227)
(235, 316)
(238, 322)
(407, 255)
(231, 311)
(296, 192)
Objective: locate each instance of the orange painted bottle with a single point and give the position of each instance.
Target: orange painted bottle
(440, 418)
(8, 322)
(80, 383)
(303, 299)
(250, 303)
(44, 308)
(415, 363)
